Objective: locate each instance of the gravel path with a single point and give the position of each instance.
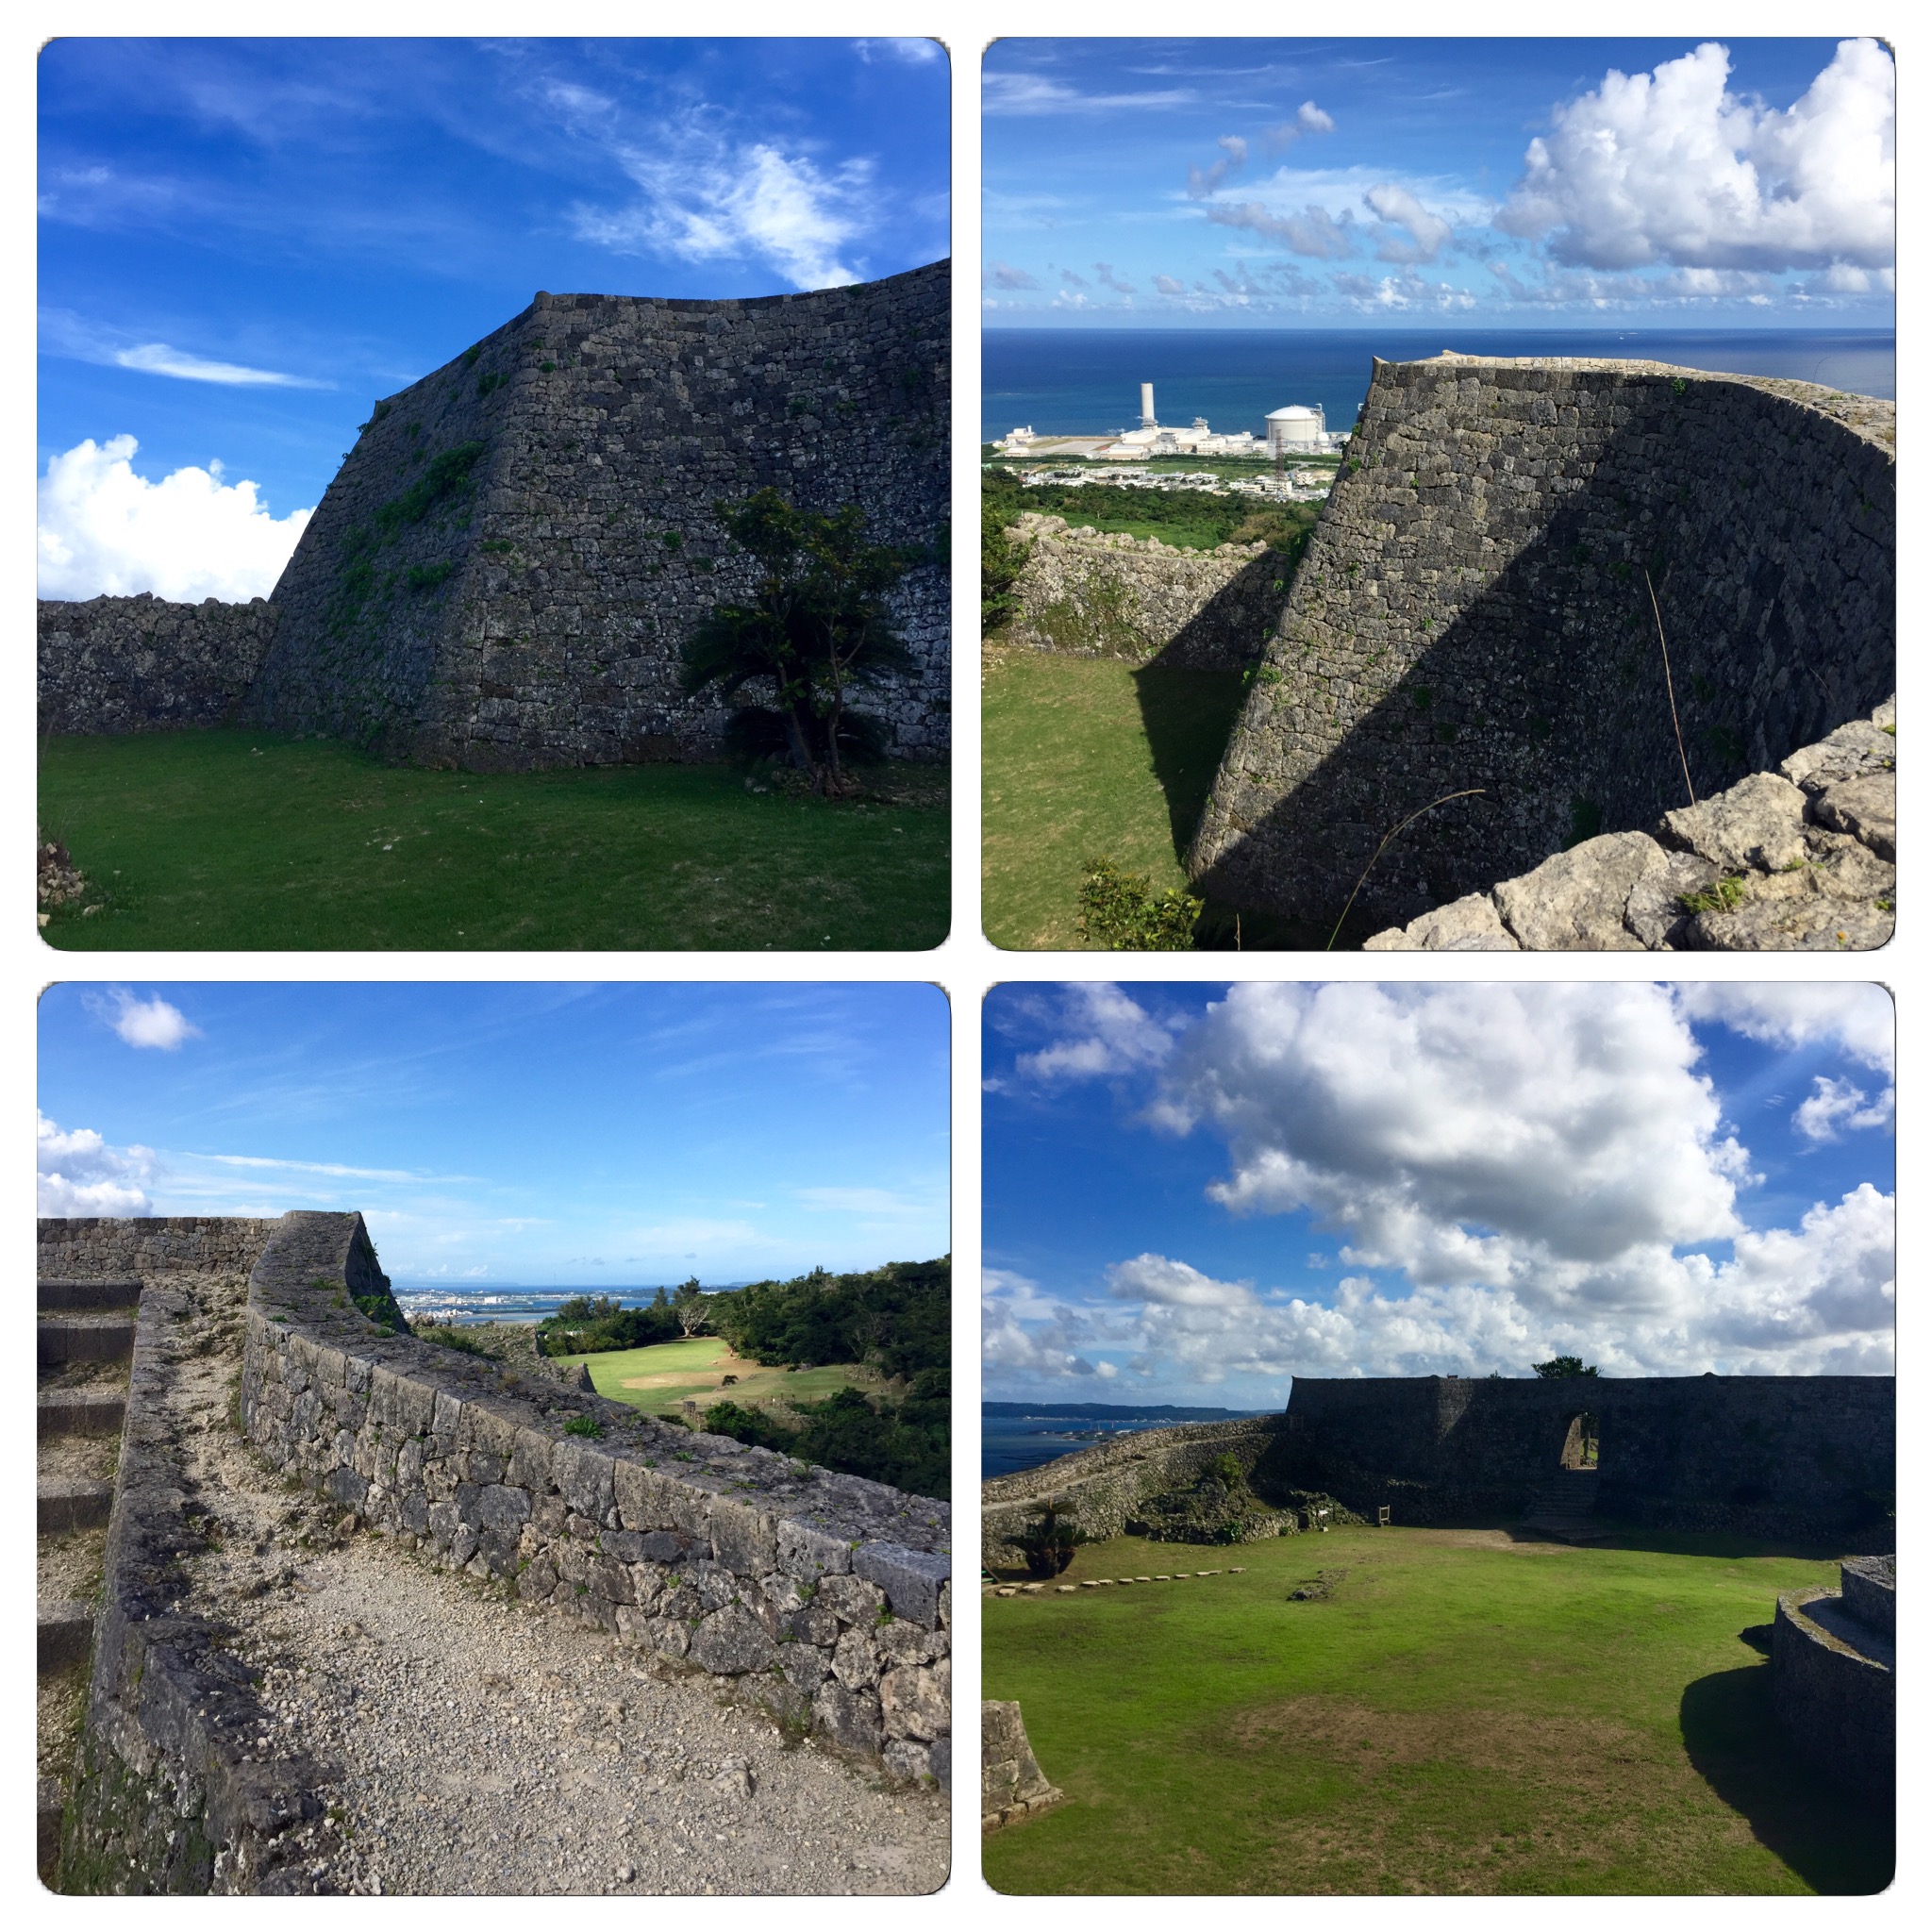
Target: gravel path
(469, 1745)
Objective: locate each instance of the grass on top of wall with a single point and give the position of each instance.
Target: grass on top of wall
(655, 1379)
(238, 839)
(1090, 758)
(1459, 1712)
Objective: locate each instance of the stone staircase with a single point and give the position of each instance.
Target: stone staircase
(84, 1344)
(1563, 1505)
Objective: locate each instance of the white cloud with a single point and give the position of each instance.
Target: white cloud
(1672, 168)
(1033, 93)
(149, 1022)
(1395, 204)
(105, 530)
(158, 358)
(708, 201)
(914, 53)
(1836, 1104)
(78, 1173)
(1005, 276)
(1859, 1019)
(1023, 1333)
(1311, 231)
(1107, 1033)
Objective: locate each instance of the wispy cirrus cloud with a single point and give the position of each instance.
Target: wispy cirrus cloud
(63, 333)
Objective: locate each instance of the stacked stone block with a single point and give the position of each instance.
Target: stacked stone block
(120, 664)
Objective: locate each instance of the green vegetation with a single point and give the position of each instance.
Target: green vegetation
(1722, 895)
(1188, 519)
(1562, 1367)
(235, 840)
(849, 1371)
(1085, 755)
(599, 1324)
(1120, 914)
(583, 1426)
(816, 630)
(1437, 1711)
(1048, 1542)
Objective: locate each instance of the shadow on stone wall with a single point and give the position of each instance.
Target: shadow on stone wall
(1232, 628)
(1835, 1843)
(1187, 714)
(1404, 672)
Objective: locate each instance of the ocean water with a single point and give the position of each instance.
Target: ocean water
(1077, 382)
(504, 1302)
(1013, 1436)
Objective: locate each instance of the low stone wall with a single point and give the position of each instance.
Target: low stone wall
(1101, 1488)
(1011, 1784)
(175, 1791)
(120, 664)
(1118, 597)
(1801, 859)
(84, 1248)
(1833, 1682)
(826, 1596)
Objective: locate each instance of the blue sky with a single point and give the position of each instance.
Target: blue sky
(1192, 1194)
(1535, 182)
(244, 243)
(537, 1134)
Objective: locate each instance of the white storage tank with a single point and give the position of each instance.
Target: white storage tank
(1296, 428)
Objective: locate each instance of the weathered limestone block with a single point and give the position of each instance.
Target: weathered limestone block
(916, 1700)
(1866, 808)
(1758, 823)
(1471, 924)
(1574, 901)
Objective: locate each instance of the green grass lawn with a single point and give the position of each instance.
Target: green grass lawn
(1463, 1714)
(231, 838)
(658, 1378)
(1086, 757)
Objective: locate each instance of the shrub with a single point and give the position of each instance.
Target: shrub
(583, 1426)
(1048, 1541)
(1119, 912)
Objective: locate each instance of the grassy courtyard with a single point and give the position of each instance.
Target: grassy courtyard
(1459, 1712)
(1086, 757)
(658, 1378)
(236, 840)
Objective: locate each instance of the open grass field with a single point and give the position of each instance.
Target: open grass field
(658, 1378)
(231, 838)
(1086, 757)
(1462, 1713)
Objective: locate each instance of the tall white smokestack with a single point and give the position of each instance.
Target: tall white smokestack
(1147, 406)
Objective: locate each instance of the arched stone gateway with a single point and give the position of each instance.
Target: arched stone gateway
(1473, 612)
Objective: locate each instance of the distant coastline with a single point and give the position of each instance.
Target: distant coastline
(1021, 1435)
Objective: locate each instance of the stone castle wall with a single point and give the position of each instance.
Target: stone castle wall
(1113, 595)
(1102, 1487)
(99, 1247)
(1473, 612)
(1834, 1676)
(120, 664)
(501, 575)
(1781, 1456)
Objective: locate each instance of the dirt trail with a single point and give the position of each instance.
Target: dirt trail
(469, 1745)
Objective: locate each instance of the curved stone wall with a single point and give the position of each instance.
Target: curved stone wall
(1834, 1674)
(502, 572)
(118, 664)
(1473, 612)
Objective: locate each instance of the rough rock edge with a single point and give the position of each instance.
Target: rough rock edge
(1646, 914)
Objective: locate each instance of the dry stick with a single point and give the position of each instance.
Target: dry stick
(1448, 797)
(1670, 689)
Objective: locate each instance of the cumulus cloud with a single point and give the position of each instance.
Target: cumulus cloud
(1836, 1104)
(1168, 285)
(1312, 232)
(1102, 272)
(1005, 276)
(1026, 1335)
(78, 1173)
(1427, 232)
(1202, 182)
(708, 200)
(1859, 1020)
(1309, 119)
(1104, 1032)
(1672, 168)
(1407, 290)
(107, 530)
(146, 1023)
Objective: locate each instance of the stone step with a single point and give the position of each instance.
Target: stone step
(66, 1632)
(64, 1506)
(101, 1339)
(82, 1412)
(120, 1294)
